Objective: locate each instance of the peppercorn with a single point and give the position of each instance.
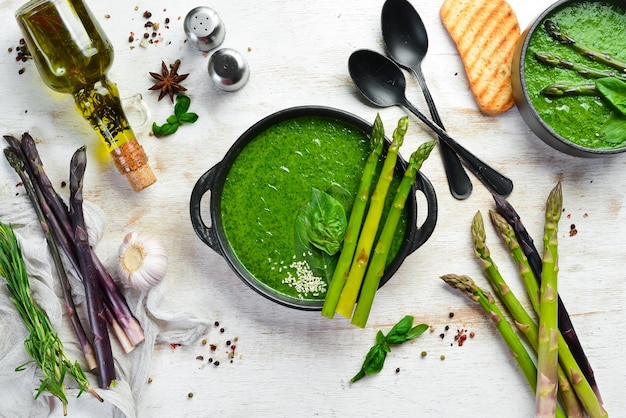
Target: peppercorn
(147, 14)
(217, 324)
(190, 395)
(397, 370)
(451, 314)
(216, 363)
(424, 353)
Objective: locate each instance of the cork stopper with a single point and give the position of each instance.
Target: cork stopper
(131, 160)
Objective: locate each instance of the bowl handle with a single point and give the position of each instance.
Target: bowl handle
(206, 233)
(422, 233)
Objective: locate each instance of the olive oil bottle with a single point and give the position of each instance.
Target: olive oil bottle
(73, 55)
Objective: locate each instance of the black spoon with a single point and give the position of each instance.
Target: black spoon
(406, 39)
(382, 82)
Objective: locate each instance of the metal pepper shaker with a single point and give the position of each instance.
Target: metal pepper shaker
(204, 28)
(228, 69)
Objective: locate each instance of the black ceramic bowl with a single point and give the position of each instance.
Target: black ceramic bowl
(524, 92)
(213, 181)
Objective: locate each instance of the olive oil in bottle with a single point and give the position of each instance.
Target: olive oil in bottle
(73, 55)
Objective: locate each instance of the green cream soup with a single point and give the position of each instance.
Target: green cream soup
(597, 24)
(271, 180)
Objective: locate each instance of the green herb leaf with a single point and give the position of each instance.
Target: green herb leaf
(188, 117)
(343, 196)
(165, 129)
(614, 90)
(375, 358)
(398, 334)
(374, 362)
(173, 119)
(182, 105)
(416, 331)
(327, 222)
(614, 129)
(319, 261)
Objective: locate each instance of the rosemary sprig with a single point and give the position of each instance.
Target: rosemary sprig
(43, 344)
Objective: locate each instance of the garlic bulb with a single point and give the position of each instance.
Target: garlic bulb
(142, 260)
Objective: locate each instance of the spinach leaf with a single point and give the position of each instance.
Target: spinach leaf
(327, 222)
(614, 129)
(614, 90)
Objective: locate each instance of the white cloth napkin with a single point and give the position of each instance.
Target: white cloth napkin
(18, 389)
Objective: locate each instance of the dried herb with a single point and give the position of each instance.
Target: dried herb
(168, 82)
(180, 116)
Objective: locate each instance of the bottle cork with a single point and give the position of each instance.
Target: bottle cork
(131, 160)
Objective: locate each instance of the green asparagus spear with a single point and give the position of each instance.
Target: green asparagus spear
(361, 257)
(340, 275)
(466, 285)
(376, 267)
(567, 88)
(562, 37)
(523, 320)
(566, 326)
(43, 344)
(555, 60)
(568, 362)
(547, 351)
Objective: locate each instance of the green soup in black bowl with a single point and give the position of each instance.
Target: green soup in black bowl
(273, 171)
(557, 100)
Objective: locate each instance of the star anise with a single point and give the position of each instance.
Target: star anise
(169, 81)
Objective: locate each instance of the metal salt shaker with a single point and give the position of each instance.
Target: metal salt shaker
(228, 69)
(204, 28)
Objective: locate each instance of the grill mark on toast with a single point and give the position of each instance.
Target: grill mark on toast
(485, 33)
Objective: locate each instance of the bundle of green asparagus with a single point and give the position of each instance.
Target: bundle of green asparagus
(64, 227)
(562, 372)
(358, 272)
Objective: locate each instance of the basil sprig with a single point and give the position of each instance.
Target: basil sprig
(375, 358)
(180, 116)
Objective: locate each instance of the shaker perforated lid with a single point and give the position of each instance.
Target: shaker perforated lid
(228, 69)
(204, 28)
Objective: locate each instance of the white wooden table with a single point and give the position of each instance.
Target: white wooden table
(293, 363)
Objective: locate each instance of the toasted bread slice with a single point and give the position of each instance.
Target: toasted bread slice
(485, 33)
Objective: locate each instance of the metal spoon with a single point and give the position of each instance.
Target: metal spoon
(405, 35)
(382, 82)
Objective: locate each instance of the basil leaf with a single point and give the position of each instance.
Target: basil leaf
(321, 264)
(398, 334)
(172, 119)
(374, 362)
(342, 195)
(165, 129)
(380, 337)
(188, 117)
(182, 104)
(416, 331)
(614, 129)
(327, 221)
